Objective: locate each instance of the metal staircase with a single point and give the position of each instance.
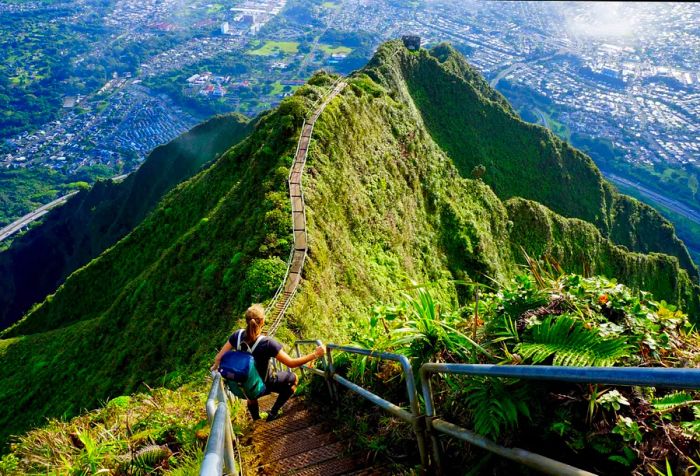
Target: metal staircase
(285, 293)
(300, 443)
(219, 454)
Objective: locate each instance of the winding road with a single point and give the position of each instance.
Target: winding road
(32, 216)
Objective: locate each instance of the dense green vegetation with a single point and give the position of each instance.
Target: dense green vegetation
(109, 337)
(579, 247)
(540, 317)
(71, 235)
(386, 206)
(157, 432)
(682, 179)
(475, 125)
(687, 230)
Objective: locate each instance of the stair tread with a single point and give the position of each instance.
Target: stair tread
(301, 429)
(294, 447)
(308, 458)
(331, 467)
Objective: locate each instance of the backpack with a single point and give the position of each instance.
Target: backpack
(238, 368)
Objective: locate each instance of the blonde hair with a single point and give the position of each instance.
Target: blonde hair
(255, 320)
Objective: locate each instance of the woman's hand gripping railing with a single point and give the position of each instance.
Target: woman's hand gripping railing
(413, 416)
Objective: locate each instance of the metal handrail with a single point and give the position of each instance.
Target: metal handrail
(220, 444)
(297, 350)
(413, 416)
(626, 376)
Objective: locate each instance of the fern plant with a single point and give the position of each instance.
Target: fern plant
(570, 343)
(672, 401)
(668, 404)
(495, 404)
(431, 332)
(150, 457)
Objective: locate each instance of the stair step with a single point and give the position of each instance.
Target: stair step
(330, 467)
(292, 447)
(306, 459)
(311, 430)
(295, 404)
(295, 423)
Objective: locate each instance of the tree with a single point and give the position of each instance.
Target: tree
(478, 172)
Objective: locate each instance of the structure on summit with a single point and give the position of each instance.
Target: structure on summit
(412, 42)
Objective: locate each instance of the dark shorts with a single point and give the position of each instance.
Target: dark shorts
(280, 381)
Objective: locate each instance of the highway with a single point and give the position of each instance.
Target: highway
(14, 227)
(520, 64)
(678, 207)
(17, 225)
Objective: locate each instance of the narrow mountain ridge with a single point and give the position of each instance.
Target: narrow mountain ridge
(475, 125)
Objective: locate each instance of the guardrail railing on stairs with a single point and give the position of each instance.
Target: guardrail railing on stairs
(428, 424)
(222, 442)
(412, 416)
(624, 376)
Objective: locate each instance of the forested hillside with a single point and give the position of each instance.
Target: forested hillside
(475, 125)
(92, 221)
(389, 202)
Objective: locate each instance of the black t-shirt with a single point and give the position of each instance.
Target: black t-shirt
(267, 349)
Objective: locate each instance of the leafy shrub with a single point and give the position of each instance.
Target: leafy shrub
(547, 317)
(262, 278)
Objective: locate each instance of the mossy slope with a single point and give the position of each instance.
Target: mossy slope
(580, 248)
(148, 308)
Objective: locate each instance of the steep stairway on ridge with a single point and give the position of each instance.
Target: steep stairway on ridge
(280, 302)
(299, 442)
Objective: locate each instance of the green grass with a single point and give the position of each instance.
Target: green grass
(329, 50)
(561, 130)
(215, 8)
(171, 425)
(277, 88)
(275, 47)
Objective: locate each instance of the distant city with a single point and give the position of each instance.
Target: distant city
(619, 80)
(605, 88)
